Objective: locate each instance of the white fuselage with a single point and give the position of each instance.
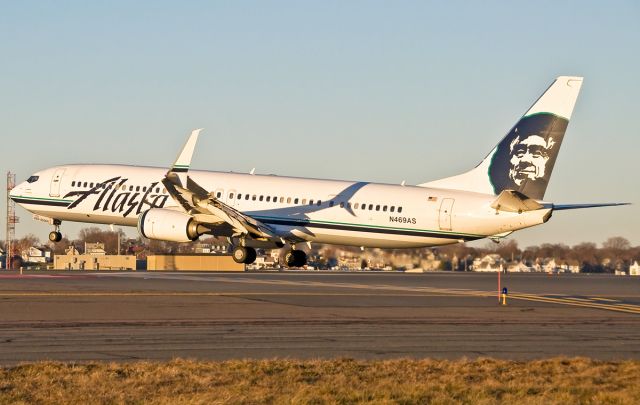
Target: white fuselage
(324, 211)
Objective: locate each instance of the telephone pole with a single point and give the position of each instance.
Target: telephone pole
(12, 220)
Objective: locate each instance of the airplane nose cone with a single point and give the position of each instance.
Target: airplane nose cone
(14, 192)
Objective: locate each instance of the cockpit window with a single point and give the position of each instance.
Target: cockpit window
(33, 179)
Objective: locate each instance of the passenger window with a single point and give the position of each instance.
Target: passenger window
(157, 190)
(130, 188)
(341, 204)
(268, 198)
(230, 195)
(370, 207)
(218, 194)
(261, 198)
(73, 183)
(295, 201)
(144, 189)
(164, 190)
(137, 188)
(85, 184)
(393, 208)
(246, 196)
(275, 199)
(288, 200)
(377, 208)
(304, 201)
(355, 205)
(384, 208)
(281, 199)
(399, 210)
(319, 203)
(253, 197)
(91, 185)
(331, 203)
(310, 202)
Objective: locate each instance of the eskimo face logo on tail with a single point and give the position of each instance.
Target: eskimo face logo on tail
(529, 157)
(524, 159)
(116, 196)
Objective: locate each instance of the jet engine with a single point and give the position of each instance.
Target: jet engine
(169, 225)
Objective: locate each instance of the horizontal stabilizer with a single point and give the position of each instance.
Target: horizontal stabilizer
(560, 207)
(515, 201)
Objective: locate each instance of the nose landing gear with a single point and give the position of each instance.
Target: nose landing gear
(56, 236)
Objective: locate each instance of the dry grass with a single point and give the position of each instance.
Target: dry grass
(483, 381)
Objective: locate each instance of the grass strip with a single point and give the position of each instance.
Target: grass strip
(343, 381)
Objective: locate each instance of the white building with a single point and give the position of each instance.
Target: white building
(634, 269)
(36, 255)
(492, 262)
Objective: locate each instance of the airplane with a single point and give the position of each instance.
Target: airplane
(502, 194)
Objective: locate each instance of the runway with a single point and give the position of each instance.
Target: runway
(124, 316)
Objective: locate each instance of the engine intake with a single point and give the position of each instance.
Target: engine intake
(168, 225)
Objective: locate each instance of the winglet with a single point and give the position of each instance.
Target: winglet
(184, 158)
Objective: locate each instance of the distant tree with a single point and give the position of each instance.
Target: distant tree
(508, 250)
(616, 243)
(24, 243)
(109, 238)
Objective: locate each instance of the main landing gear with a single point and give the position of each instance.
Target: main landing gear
(56, 236)
(295, 258)
(242, 254)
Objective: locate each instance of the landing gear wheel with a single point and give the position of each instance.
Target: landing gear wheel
(295, 258)
(244, 255)
(55, 236)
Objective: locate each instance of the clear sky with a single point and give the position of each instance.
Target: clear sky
(363, 90)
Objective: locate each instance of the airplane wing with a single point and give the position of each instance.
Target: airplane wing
(203, 205)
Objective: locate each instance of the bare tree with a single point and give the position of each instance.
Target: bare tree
(24, 243)
(617, 243)
(109, 238)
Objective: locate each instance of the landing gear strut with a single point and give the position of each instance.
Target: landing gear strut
(295, 258)
(242, 254)
(56, 236)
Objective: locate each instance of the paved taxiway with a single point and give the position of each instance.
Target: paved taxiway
(75, 316)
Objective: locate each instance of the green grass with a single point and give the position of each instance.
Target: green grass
(482, 381)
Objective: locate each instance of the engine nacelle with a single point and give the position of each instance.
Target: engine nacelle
(168, 225)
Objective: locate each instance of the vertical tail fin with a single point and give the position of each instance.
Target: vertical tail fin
(524, 159)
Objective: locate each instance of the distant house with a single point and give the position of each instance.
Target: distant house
(71, 251)
(37, 255)
(94, 249)
(519, 267)
(634, 269)
(491, 262)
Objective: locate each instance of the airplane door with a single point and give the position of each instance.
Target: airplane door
(446, 207)
(55, 183)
